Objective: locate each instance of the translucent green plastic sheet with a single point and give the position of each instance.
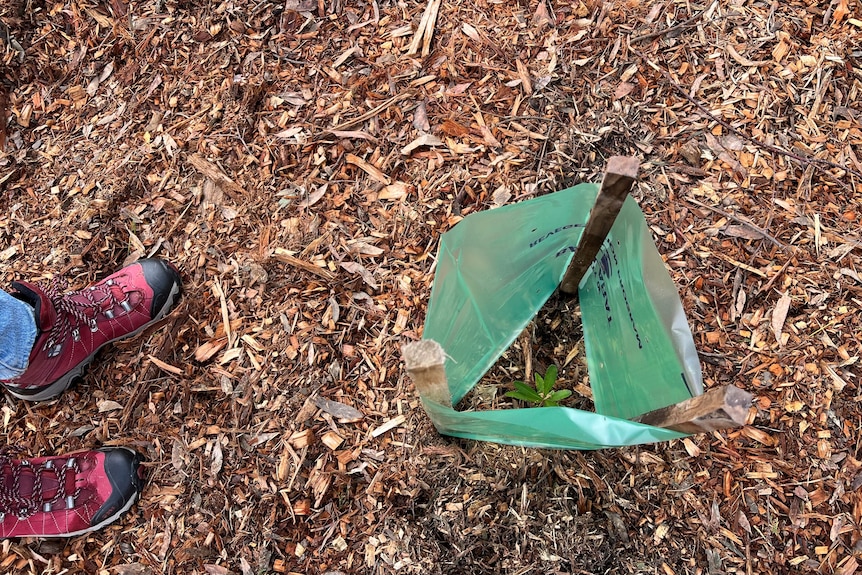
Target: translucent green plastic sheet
(496, 269)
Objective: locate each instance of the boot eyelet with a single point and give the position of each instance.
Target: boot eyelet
(46, 507)
(94, 327)
(70, 501)
(126, 305)
(109, 313)
(76, 334)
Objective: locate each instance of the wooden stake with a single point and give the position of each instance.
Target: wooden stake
(719, 408)
(620, 174)
(424, 361)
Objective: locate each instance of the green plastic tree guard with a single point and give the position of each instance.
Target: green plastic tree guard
(496, 269)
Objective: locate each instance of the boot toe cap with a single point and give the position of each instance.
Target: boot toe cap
(164, 280)
(122, 468)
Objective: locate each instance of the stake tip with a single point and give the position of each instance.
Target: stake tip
(623, 166)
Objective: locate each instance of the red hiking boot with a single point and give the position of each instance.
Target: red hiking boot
(68, 495)
(75, 325)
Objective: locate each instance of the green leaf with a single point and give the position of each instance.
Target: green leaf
(554, 399)
(544, 384)
(523, 387)
(531, 397)
(559, 395)
(525, 393)
(540, 384)
(551, 377)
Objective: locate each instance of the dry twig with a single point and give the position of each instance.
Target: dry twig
(682, 25)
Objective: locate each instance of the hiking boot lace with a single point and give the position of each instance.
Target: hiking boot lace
(11, 500)
(94, 302)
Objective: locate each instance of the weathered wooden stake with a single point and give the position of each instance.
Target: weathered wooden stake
(719, 408)
(424, 361)
(620, 174)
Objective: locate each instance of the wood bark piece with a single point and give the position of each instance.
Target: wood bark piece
(396, 421)
(284, 256)
(343, 413)
(331, 440)
(369, 169)
(214, 173)
(620, 174)
(4, 109)
(720, 408)
(370, 113)
(425, 31)
(424, 361)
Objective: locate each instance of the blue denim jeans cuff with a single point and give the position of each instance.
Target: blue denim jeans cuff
(17, 335)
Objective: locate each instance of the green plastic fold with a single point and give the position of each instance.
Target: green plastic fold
(496, 269)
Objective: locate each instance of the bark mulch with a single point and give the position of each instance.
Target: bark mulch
(298, 160)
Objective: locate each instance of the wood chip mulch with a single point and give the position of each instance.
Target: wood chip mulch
(298, 160)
